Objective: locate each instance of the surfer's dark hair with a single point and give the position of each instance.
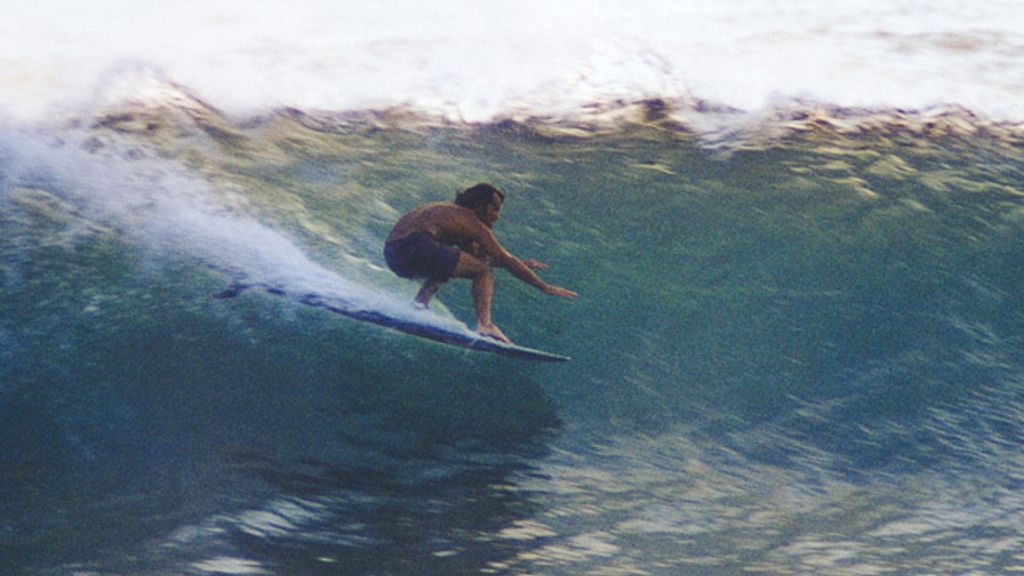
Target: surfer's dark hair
(478, 196)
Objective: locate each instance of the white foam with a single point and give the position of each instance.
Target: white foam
(476, 59)
(166, 211)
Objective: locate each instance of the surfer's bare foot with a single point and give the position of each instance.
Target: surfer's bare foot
(492, 331)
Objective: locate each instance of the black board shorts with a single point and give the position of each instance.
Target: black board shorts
(419, 256)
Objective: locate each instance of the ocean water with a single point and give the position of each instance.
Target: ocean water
(796, 231)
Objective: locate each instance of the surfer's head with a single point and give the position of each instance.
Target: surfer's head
(484, 199)
(479, 196)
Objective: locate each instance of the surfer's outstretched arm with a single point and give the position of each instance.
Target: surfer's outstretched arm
(521, 269)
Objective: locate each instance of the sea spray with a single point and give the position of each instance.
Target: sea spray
(166, 211)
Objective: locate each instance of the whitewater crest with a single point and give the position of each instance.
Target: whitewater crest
(154, 107)
(162, 111)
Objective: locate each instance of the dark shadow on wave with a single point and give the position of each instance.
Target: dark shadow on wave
(444, 514)
(147, 391)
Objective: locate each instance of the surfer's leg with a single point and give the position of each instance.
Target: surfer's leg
(482, 274)
(483, 296)
(427, 291)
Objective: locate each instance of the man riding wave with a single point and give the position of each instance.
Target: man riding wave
(443, 240)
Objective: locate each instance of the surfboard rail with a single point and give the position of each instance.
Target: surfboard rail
(451, 335)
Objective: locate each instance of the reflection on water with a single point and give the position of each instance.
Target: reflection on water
(671, 504)
(667, 503)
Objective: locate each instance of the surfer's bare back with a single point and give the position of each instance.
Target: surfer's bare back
(442, 240)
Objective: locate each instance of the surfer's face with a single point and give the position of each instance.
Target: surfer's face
(491, 212)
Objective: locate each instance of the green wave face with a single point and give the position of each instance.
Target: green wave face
(811, 323)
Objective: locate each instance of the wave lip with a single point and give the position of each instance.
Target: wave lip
(475, 62)
(152, 105)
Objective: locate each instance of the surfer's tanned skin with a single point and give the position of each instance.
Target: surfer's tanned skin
(466, 224)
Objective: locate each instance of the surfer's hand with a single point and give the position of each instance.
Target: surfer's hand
(559, 291)
(535, 264)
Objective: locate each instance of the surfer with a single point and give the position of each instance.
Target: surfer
(443, 240)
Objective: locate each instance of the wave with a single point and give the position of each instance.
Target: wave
(274, 199)
(820, 294)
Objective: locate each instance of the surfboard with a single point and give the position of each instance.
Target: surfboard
(454, 335)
